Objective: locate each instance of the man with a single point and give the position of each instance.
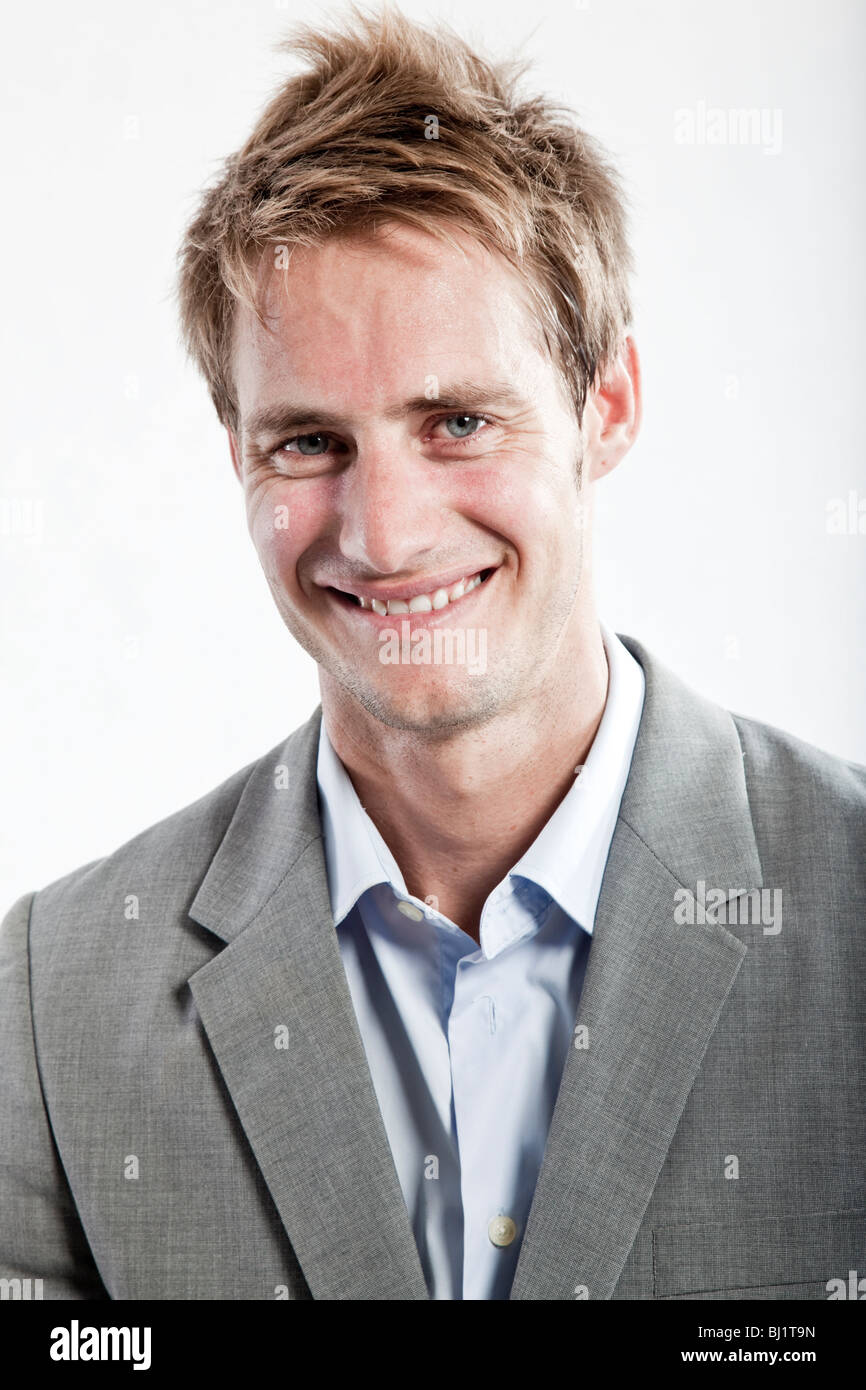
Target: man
(520, 970)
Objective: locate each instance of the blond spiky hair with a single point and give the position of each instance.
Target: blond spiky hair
(346, 144)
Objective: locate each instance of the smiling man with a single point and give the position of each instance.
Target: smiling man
(463, 510)
(520, 970)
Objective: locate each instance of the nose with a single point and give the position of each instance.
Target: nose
(391, 513)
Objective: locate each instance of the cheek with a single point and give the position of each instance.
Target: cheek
(531, 502)
(285, 519)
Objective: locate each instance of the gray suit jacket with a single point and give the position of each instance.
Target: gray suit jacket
(158, 1139)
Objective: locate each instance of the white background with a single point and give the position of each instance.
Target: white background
(145, 661)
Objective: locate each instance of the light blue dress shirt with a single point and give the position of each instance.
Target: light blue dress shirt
(466, 1044)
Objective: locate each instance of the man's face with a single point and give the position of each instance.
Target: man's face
(419, 438)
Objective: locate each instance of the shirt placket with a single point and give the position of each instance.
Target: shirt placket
(477, 1032)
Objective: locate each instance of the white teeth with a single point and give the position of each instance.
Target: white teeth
(422, 603)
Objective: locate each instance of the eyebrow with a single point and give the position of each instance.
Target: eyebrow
(458, 395)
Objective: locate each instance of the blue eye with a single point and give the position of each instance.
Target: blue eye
(476, 418)
(300, 439)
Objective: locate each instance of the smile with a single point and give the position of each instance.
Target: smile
(431, 602)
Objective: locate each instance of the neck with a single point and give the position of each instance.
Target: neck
(457, 814)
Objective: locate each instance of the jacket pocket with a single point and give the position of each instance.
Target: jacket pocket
(794, 1256)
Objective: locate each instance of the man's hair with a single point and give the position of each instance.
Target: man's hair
(390, 120)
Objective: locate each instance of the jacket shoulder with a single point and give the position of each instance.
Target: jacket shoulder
(782, 764)
(808, 810)
(174, 852)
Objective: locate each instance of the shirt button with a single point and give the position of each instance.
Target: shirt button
(410, 910)
(502, 1230)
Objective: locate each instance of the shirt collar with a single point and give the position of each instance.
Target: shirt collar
(356, 856)
(567, 857)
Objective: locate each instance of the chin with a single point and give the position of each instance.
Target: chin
(434, 712)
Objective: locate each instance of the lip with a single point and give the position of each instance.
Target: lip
(426, 584)
(435, 618)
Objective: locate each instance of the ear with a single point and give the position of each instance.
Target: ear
(235, 453)
(613, 413)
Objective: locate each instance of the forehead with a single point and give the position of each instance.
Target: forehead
(358, 320)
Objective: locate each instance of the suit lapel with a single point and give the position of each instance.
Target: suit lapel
(651, 999)
(279, 1017)
(653, 992)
